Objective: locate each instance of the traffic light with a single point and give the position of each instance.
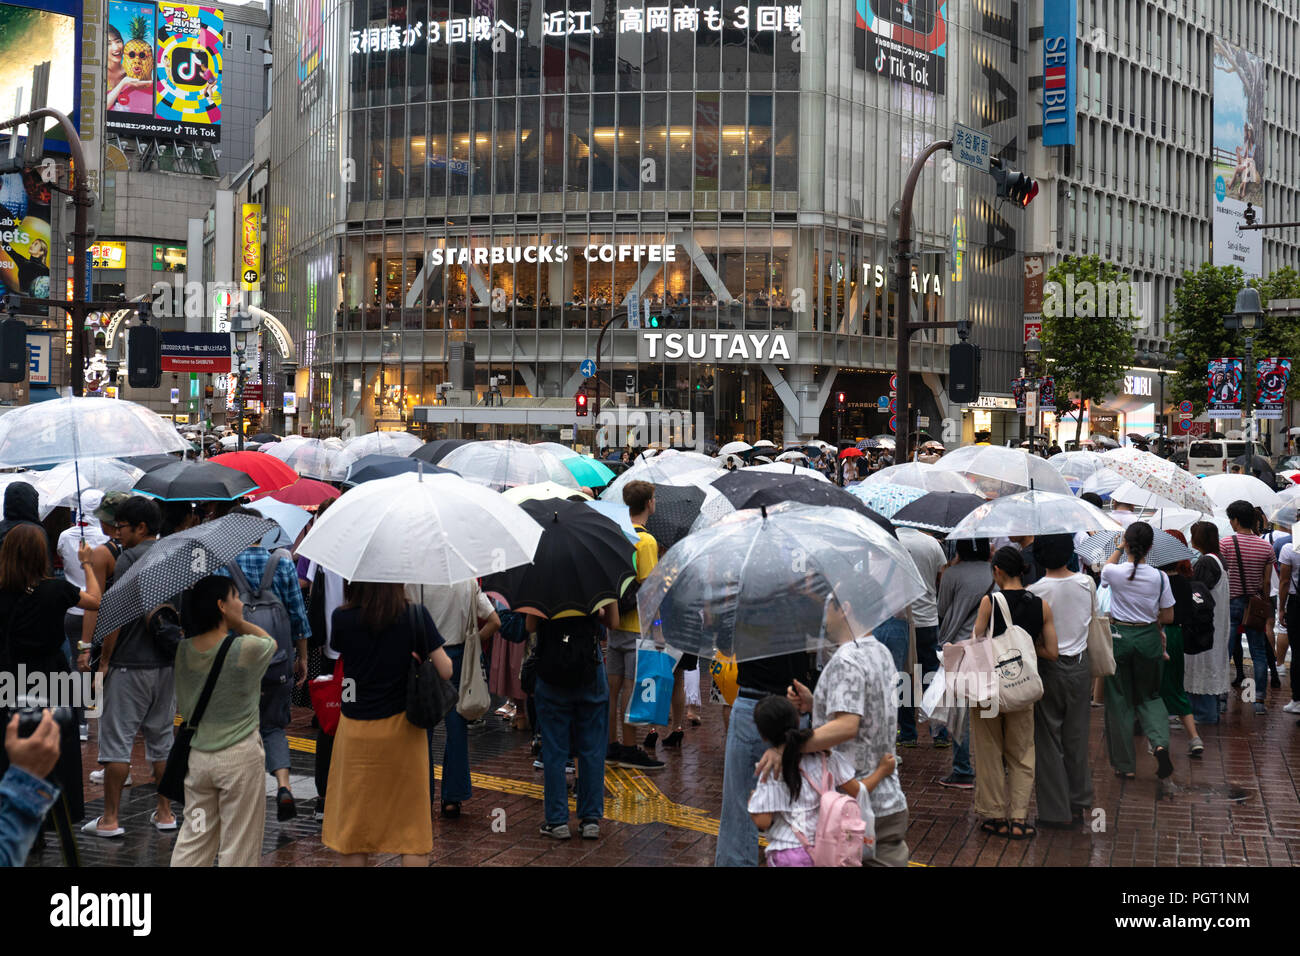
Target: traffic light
(841, 402)
(144, 357)
(13, 350)
(654, 321)
(580, 403)
(1012, 183)
(964, 373)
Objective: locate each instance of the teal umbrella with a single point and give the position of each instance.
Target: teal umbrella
(588, 472)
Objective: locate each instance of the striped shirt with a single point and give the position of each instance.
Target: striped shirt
(801, 812)
(1256, 558)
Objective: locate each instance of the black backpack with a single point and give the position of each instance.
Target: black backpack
(1198, 619)
(568, 652)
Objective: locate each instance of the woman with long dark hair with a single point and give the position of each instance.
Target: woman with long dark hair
(32, 608)
(1004, 742)
(1141, 600)
(1205, 676)
(379, 799)
(1172, 689)
(225, 795)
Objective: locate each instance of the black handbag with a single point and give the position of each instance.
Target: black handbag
(429, 697)
(172, 784)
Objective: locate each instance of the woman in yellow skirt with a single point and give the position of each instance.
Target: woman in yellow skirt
(379, 799)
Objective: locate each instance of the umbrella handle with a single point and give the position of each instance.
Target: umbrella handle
(76, 470)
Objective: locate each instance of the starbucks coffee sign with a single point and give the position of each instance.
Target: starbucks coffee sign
(718, 348)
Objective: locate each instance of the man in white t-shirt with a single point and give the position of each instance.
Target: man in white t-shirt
(927, 554)
(87, 525)
(456, 609)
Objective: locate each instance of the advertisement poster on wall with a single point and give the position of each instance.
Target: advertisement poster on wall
(29, 37)
(163, 70)
(1238, 155)
(1224, 380)
(1272, 375)
(904, 40)
(25, 235)
(250, 247)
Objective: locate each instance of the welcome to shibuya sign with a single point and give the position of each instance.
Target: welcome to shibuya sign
(718, 348)
(632, 18)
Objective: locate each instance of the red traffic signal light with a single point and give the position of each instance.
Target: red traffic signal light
(580, 403)
(841, 401)
(1013, 184)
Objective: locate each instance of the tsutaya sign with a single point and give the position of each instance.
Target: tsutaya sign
(923, 282)
(715, 347)
(494, 255)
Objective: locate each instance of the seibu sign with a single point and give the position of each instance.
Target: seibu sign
(719, 348)
(496, 255)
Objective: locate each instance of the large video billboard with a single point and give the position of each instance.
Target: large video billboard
(1238, 166)
(905, 40)
(163, 70)
(25, 234)
(30, 36)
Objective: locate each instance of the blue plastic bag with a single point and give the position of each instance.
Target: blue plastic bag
(651, 700)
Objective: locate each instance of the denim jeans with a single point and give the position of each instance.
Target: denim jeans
(580, 715)
(1205, 708)
(455, 750)
(1256, 639)
(273, 719)
(893, 634)
(737, 834)
(961, 765)
(927, 659)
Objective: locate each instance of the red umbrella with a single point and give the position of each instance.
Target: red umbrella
(306, 493)
(270, 473)
(849, 453)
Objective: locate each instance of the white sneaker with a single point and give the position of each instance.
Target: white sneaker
(1292, 707)
(97, 776)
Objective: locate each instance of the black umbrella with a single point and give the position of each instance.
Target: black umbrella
(195, 481)
(264, 437)
(756, 489)
(937, 511)
(435, 451)
(676, 509)
(175, 563)
(150, 462)
(1258, 466)
(370, 467)
(583, 561)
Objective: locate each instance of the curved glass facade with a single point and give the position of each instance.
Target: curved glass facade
(517, 173)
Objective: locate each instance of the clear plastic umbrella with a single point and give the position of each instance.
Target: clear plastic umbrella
(555, 448)
(1104, 482)
(507, 464)
(62, 484)
(1076, 467)
(383, 443)
(1153, 473)
(1003, 471)
(1225, 489)
(421, 529)
(761, 583)
(312, 458)
(1033, 512)
(1284, 512)
(65, 429)
(921, 475)
(669, 467)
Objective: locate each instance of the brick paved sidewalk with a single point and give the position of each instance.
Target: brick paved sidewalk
(1238, 805)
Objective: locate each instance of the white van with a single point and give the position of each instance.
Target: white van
(1214, 456)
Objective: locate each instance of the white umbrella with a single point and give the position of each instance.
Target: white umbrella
(1225, 489)
(1130, 494)
(1173, 519)
(1033, 513)
(787, 467)
(383, 443)
(65, 429)
(795, 456)
(734, 448)
(764, 443)
(541, 490)
(421, 529)
(506, 464)
(1164, 478)
(1002, 471)
(669, 467)
(917, 474)
(63, 483)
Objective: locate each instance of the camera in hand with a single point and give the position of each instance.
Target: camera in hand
(30, 711)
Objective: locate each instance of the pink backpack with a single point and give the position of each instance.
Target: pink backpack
(840, 828)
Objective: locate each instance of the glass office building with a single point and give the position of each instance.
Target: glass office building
(518, 174)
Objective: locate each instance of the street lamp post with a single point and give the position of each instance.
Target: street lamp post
(1247, 317)
(1033, 360)
(241, 325)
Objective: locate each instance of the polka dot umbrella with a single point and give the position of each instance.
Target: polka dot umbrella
(177, 562)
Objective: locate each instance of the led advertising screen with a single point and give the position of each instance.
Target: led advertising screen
(163, 70)
(904, 40)
(1224, 388)
(25, 235)
(28, 38)
(1239, 166)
